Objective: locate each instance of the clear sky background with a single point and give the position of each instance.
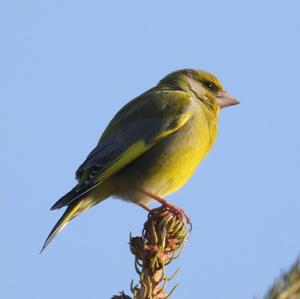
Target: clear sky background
(66, 67)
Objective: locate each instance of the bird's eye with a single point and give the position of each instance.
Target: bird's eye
(210, 85)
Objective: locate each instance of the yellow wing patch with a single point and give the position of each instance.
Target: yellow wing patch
(138, 148)
(124, 159)
(133, 152)
(179, 123)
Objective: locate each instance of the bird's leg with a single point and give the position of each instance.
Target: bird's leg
(144, 206)
(167, 204)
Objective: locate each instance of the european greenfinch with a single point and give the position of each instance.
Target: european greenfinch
(151, 147)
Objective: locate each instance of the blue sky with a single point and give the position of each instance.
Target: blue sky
(66, 67)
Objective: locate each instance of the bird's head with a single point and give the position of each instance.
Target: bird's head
(205, 86)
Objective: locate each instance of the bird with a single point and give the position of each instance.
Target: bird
(151, 147)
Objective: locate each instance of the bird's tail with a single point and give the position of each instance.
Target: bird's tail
(74, 209)
(78, 206)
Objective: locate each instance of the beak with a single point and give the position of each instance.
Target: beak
(225, 99)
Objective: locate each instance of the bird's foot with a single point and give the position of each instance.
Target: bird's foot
(178, 211)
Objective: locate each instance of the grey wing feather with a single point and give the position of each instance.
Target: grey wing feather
(104, 154)
(147, 120)
(114, 145)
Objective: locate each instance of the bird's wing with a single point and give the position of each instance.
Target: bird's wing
(136, 128)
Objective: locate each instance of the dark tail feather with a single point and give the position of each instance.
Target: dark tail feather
(72, 211)
(74, 195)
(66, 199)
(76, 204)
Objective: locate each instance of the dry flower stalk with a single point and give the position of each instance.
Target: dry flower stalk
(162, 240)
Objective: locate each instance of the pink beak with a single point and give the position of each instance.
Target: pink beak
(225, 99)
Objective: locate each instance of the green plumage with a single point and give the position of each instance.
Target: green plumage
(155, 142)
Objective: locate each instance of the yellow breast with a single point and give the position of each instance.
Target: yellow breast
(169, 165)
(180, 155)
